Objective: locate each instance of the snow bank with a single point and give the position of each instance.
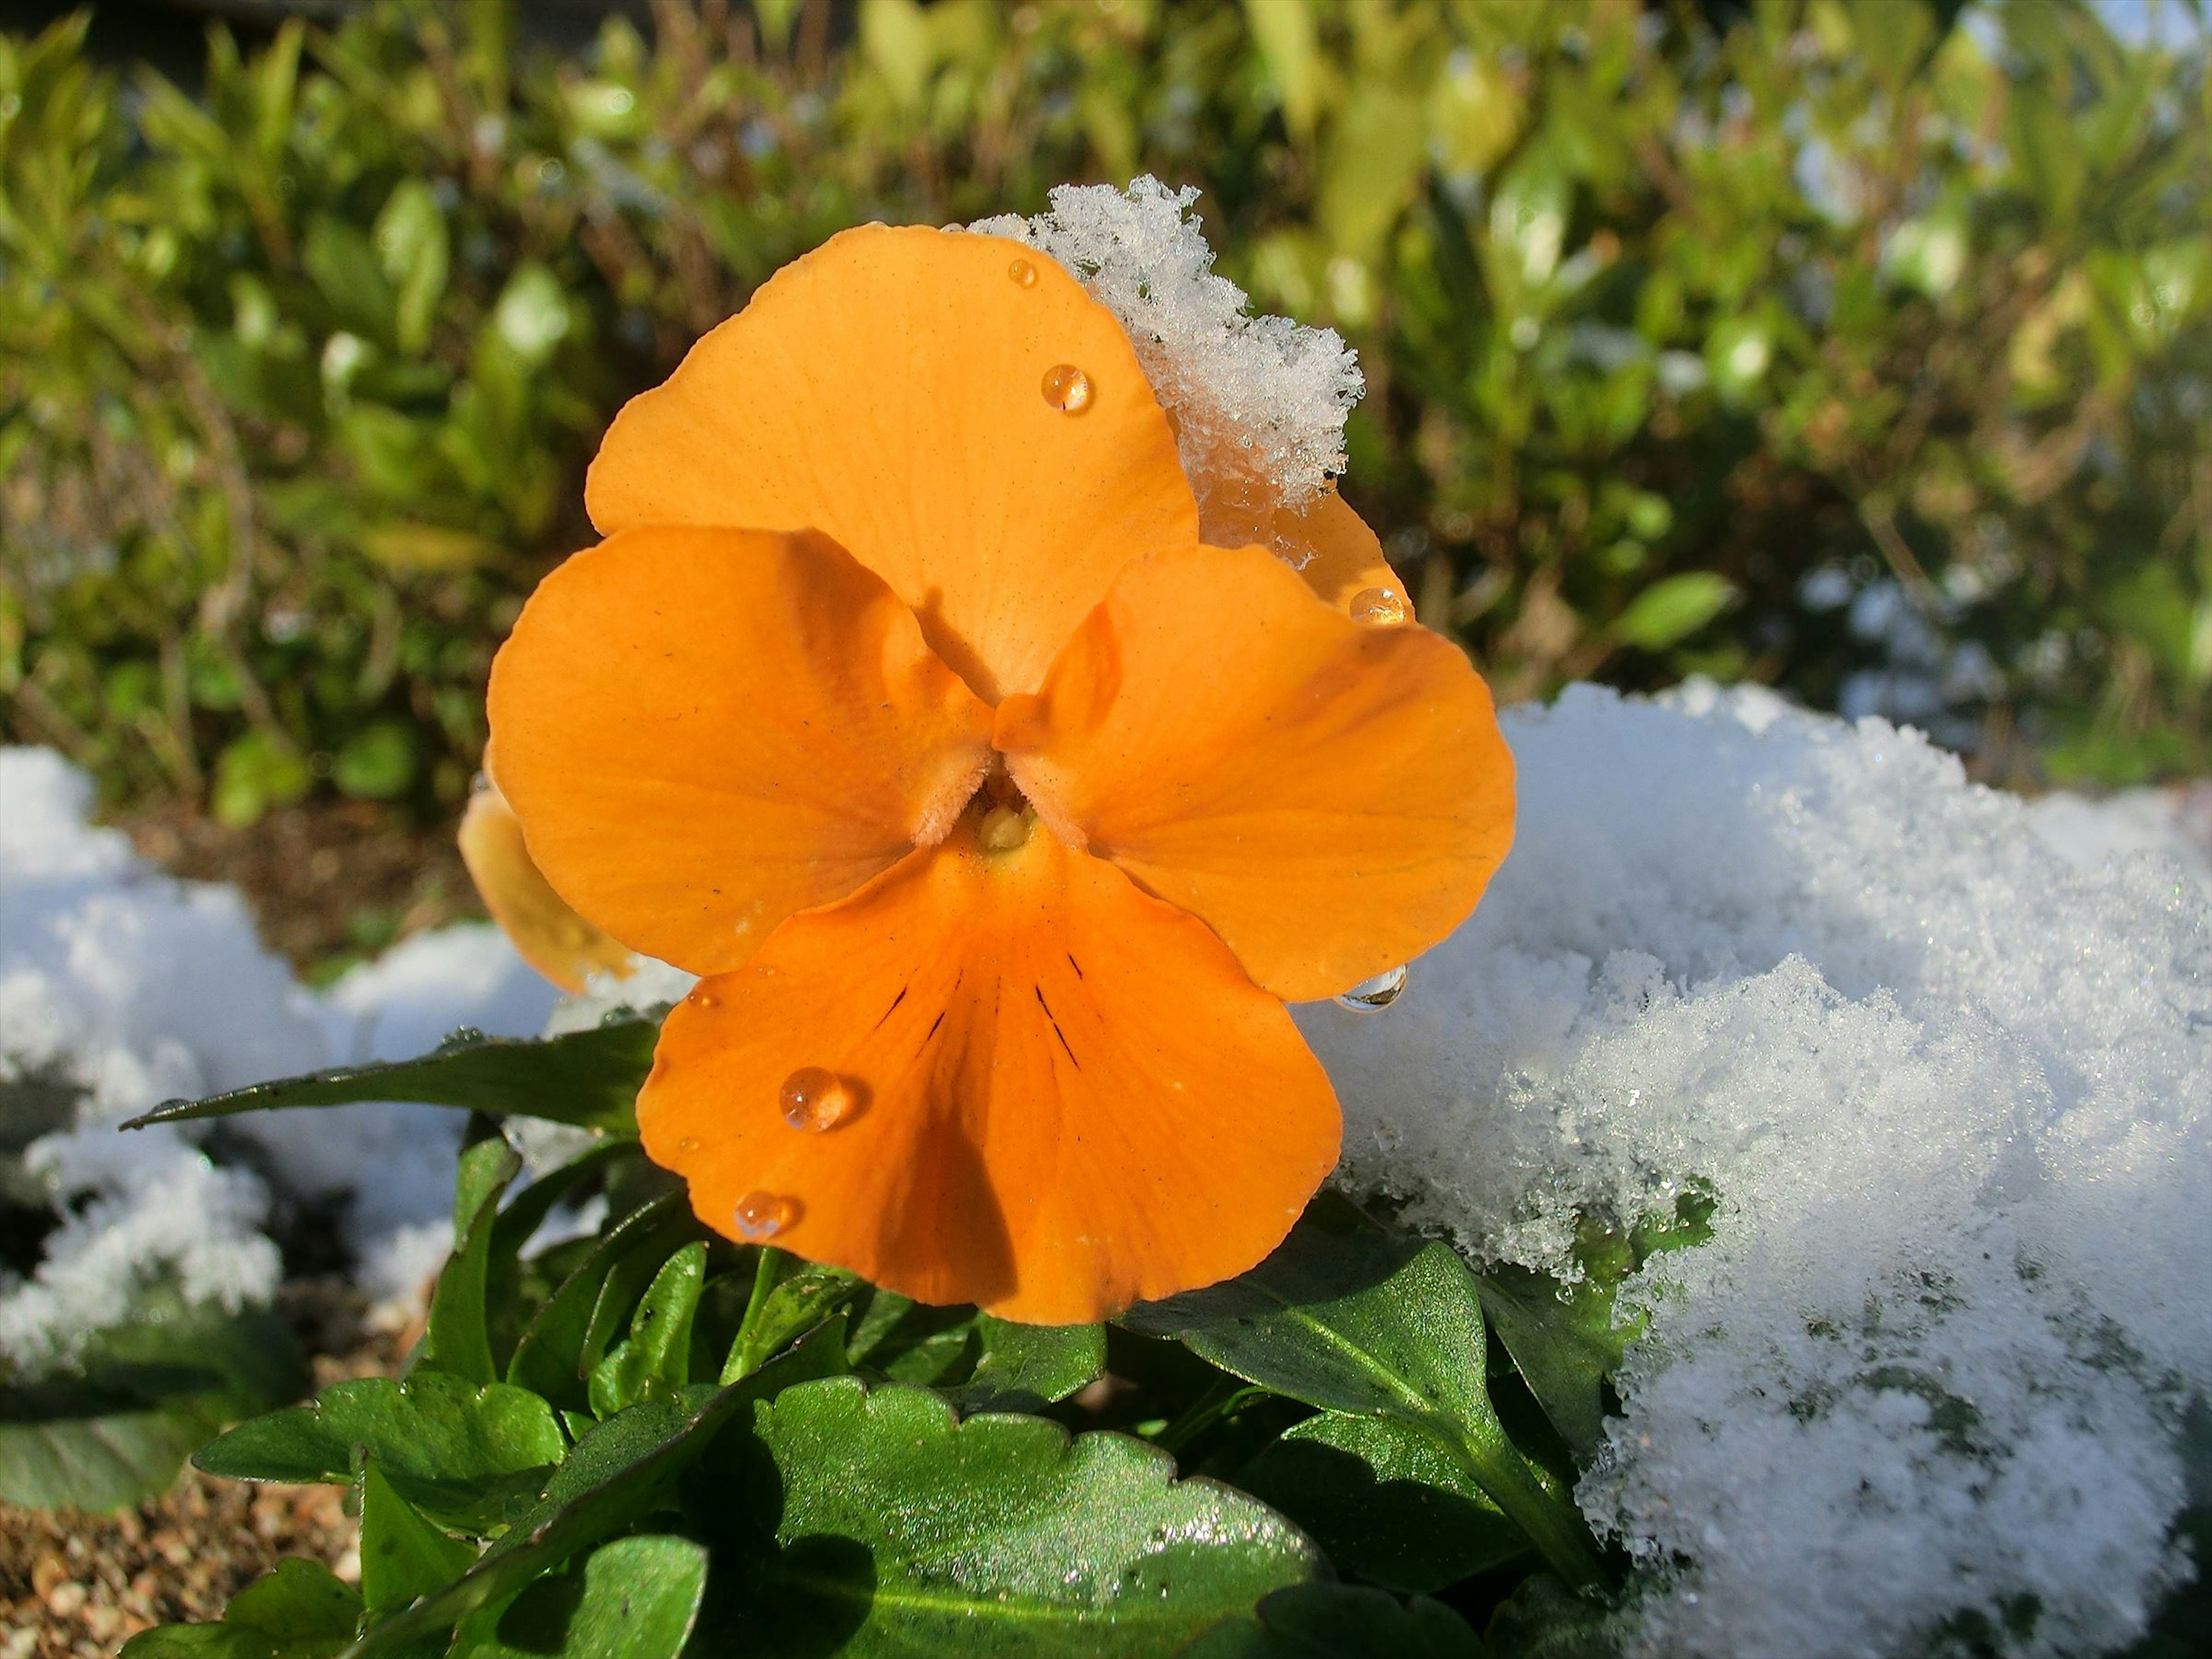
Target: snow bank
(123, 989)
(1955, 1097)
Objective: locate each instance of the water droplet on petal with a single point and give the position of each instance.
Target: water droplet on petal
(1067, 388)
(701, 998)
(1372, 995)
(762, 1216)
(688, 1144)
(1379, 607)
(1024, 273)
(815, 1098)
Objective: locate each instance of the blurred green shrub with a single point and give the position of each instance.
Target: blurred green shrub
(1863, 349)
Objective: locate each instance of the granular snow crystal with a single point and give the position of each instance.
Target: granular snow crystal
(1954, 1096)
(1259, 403)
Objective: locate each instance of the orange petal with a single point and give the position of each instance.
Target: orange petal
(1331, 797)
(887, 390)
(704, 730)
(1344, 561)
(545, 932)
(1067, 1096)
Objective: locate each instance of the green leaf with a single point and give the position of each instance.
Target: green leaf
(636, 1597)
(403, 1556)
(616, 1475)
(901, 1530)
(587, 1078)
(1023, 1367)
(1376, 1326)
(1339, 1621)
(144, 1396)
(910, 1342)
(1383, 1501)
(658, 1354)
(803, 1295)
(457, 1336)
(414, 250)
(1544, 1619)
(462, 1452)
(1671, 610)
(302, 1610)
(556, 1353)
(1563, 1340)
(377, 763)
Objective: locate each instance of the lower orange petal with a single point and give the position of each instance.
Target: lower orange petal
(545, 932)
(1059, 1095)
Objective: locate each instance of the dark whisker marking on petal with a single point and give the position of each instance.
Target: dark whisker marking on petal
(1054, 1021)
(1073, 964)
(933, 1024)
(893, 1009)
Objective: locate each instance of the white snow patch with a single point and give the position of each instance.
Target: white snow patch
(127, 988)
(1955, 1098)
(2087, 831)
(1259, 403)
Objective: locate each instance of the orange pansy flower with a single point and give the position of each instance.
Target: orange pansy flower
(1000, 814)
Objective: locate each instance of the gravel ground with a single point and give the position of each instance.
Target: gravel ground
(76, 1586)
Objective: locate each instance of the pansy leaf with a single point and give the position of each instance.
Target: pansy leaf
(658, 1352)
(519, 1222)
(1384, 1501)
(1376, 1325)
(637, 1597)
(617, 1474)
(302, 1610)
(461, 1451)
(911, 1342)
(587, 1078)
(802, 1295)
(1025, 1367)
(142, 1397)
(403, 1556)
(1339, 1621)
(899, 1529)
(555, 1352)
(457, 1336)
(1545, 1619)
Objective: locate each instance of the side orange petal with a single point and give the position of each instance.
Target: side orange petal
(1344, 561)
(1061, 1096)
(889, 389)
(545, 932)
(1331, 797)
(703, 730)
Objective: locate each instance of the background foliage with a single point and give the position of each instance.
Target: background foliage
(1861, 349)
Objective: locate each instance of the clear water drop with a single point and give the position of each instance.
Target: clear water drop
(1372, 996)
(1067, 388)
(815, 1098)
(701, 998)
(1379, 607)
(688, 1144)
(1023, 272)
(762, 1216)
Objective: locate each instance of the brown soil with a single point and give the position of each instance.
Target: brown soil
(74, 1585)
(329, 882)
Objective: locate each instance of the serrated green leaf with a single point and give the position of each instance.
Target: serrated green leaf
(804, 1294)
(403, 1556)
(1376, 1326)
(302, 1610)
(899, 1529)
(658, 1354)
(587, 1078)
(1024, 1367)
(616, 1475)
(463, 1452)
(457, 1337)
(1383, 1501)
(636, 1597)
(145, 1395)
(1339, 1621)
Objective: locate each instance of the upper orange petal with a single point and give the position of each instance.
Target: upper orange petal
(1066, 1094)
(888, 389)
(1331, 797)
(1343, 557)
(545, 932)
(703, 730)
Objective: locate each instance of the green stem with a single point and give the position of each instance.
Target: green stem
(1555, 1529)
(1221, 1397)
